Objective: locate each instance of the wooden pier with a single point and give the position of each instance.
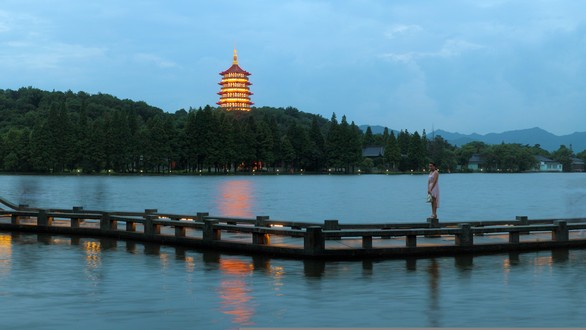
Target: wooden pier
(328, 240)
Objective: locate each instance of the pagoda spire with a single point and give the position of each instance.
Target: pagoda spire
(235, 61)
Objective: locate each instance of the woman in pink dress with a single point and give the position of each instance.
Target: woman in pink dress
(433, 188)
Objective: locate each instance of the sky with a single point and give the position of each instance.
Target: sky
(458, 65)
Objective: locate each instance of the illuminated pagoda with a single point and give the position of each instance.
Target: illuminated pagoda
(235, 92)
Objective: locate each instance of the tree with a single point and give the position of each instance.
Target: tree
(415, 153)
(44, 144)
(443, 154)
(190, 133)
(245, 148)
(288, 153)
(317, 146)
(15, 150)
(355, 145)
(464, 153)
(157, 147)
(582, 155)
(334, 144)
(299, 139)
(226, 143)
(118, 142)
(564, 156)
(264, 144)
(392, 155)
(368, 138)
(403, 141)
(385, 137)
(205, 141)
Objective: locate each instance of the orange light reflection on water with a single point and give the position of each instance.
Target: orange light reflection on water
(5, 253)
(93, 258)
(234, 199)
(233, 291)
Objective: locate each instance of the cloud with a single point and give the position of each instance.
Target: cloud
(450, 48)
(401, 30)
(154, 59)
(31, 56)
(455, 47)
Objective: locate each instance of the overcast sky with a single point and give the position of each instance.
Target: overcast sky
(463, 66)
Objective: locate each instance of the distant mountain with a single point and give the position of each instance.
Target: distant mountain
(530, 136)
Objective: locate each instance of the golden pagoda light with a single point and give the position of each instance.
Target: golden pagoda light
(235, 92)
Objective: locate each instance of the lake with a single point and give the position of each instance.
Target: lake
(63, 283)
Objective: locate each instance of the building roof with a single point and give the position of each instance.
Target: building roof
(475, 158)
(235, 68)
(544, 159)
(373, 151)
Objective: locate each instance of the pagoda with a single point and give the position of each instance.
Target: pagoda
(235, 92)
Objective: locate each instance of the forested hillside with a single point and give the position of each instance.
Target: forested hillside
(62, 132)
(67, 132)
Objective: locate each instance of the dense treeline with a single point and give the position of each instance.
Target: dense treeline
(66, 132)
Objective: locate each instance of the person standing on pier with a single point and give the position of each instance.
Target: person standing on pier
(433, 188)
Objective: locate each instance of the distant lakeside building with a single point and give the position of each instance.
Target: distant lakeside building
(235, 91)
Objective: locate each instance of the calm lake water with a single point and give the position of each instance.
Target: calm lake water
(63, 283)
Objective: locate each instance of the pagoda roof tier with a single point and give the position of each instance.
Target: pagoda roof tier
(234, 100)
(235, 68)
(223, 101)
(243, 97)
(236, 90)
(235, 79)
(228, 92)
(231, 82)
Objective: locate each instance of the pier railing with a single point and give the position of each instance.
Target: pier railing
(301, 239)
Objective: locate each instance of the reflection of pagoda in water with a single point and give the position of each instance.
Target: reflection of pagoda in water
(235, 93)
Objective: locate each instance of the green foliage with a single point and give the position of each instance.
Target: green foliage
(582, 155)
(564, 156)
(392, 155)
(67, 132)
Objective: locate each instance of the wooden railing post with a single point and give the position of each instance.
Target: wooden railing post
(202, 215)
(150, 228)
(130, 226)
(465, 237)
(209, 232)
(433, 223)
(106, 223)
(523, 221)
(15, 219)
(411, 241)
(314, 242)
(332, 225)
(367, 242)
(180, 231)
(560, 233)
(261, 238)
(43, 220)
(514, 237)
(75, 220)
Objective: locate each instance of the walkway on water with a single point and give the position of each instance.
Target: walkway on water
(329, 240)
